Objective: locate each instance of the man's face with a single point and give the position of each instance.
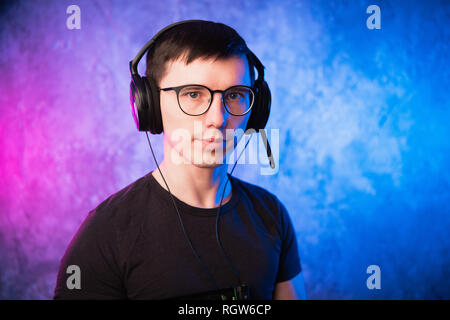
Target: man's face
(185, 133)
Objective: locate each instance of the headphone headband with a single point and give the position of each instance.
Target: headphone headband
(144, 94)
(135, 61)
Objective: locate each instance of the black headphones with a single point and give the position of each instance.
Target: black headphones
(146, 110)
(145, 104)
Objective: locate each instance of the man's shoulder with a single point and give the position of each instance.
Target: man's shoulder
(257, 191)
(123, 202)
(125, 195)
(266, 205)
(114, 218)
(263, 200)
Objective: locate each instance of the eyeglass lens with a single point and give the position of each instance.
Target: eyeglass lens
(195, 100)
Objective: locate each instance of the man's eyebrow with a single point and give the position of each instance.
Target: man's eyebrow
(206, 85)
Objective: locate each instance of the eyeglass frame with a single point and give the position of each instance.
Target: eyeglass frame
(212, 92)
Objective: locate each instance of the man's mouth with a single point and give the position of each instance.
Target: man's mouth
(211, 141)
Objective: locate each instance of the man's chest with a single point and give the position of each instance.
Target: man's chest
(162, 263)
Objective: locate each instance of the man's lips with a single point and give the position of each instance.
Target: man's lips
(210, 141)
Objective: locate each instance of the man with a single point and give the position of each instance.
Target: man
(133, 245)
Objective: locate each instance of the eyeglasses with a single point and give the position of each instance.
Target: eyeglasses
(195, 99)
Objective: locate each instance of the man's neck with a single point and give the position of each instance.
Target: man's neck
(198, 187)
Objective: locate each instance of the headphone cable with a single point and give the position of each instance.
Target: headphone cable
(181, 221)
(217, 218)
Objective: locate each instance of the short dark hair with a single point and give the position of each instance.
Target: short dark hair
(193, 40)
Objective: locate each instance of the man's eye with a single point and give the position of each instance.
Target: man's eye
(234, 95)
(192, 94)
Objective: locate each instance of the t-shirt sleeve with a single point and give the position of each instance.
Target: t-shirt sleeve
(89, 268)
(289, 264)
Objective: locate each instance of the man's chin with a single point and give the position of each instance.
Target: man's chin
(208, 160)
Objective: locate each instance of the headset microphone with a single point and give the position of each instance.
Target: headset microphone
(267, 146)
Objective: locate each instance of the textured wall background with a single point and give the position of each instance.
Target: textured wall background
(363, 118)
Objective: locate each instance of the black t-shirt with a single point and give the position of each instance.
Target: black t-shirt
(132, 245)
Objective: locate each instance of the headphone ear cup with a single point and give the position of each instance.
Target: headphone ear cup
(154, 118)
(138, 100)
(261, 109)
(266, 101)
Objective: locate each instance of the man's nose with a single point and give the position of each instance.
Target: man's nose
(216, 115)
